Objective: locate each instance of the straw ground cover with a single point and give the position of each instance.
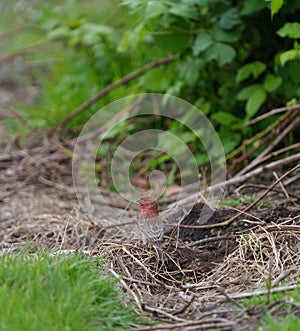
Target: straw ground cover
(212, 276)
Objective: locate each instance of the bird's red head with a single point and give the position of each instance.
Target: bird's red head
(148, 205)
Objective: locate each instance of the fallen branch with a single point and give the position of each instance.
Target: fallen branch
(124, 80)
(265, 192)
(227, 222)
(239, 179)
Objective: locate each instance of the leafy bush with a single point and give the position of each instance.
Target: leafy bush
(236, 59)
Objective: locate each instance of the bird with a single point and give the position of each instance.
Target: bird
(151, 225)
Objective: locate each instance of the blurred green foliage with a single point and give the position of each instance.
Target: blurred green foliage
(236, 59)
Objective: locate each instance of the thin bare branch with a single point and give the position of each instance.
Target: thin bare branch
(124, 80)
(273, 112)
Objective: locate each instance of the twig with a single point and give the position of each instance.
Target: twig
(281, 185)
(52, 151)
(279, 228)
(270, 136)
(290, 181)
(120, 114)
(279, 138)
(163, 313)
(129, 276)
(212, 239)
(266, 192)
(191, 325)
(18, 187)
(12, 32)
(136, 299)
(239, 179)
(144, 282)
(124, 80)
(186, 306)
(260, 292)
(262, 194)
(258, 220)
(285, 274)
(227, 222)
(272, 112)
(258, 136)
(230, 298)
(280, 151)
(201, 286)
(269, 148)
(21, 119)
(261, 186)
(142, 265)
(58, 186)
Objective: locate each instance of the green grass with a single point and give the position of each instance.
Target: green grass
(60, 293)
(230, 201)
(288, 321)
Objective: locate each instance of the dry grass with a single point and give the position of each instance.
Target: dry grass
(195, 288)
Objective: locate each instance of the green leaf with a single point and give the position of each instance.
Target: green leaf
(177, 146)
(292, 54)
(202, 42)
(223, 117)
(225, 35)
(253, 68)
(294, 71)
(291, 30)
(60, 32)
(255, 101)
(201, 158)
(220, 52)
(271, 83)
(157, 80)
(252, 6)
(203, 105)
(229, 19)
(155, 8)
(275, 6)
(190, 70)
(173, 90)
(246, 92)
(229, 139)
(171, 44)
(184, 11)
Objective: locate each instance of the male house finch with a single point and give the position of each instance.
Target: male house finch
(150, 224)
